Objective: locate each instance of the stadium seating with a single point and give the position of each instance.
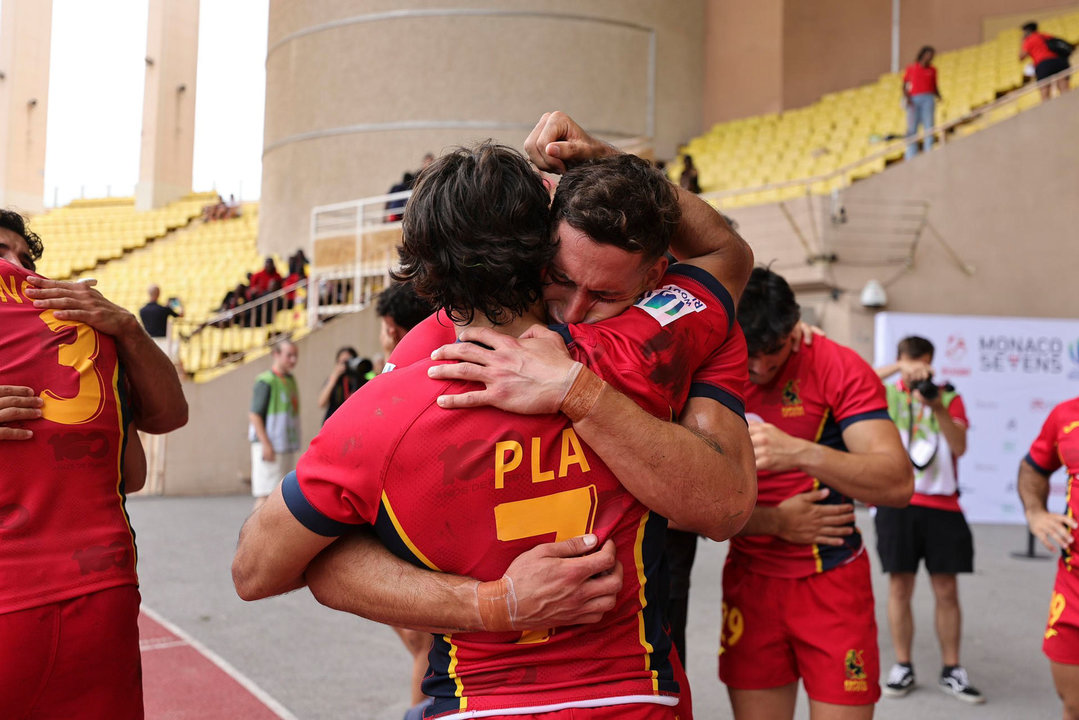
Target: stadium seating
(843, 128)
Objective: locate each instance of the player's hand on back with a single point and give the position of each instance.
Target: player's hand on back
(529, 375)
(804, 521)
(564, 583)
(79, 301)
(18, 403)
(558, 143)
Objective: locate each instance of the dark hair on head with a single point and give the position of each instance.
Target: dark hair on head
(475, 234)
(347, 348)
(16, 223)
(1030, 27)
(767, 311)
(926, 49)
(401, 304)
(914, 347)
(621, 201)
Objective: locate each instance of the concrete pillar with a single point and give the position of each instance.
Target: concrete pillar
(25, 34)
(168, 111)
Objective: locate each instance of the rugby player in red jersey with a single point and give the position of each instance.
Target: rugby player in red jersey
(68, 590)
(800, 605)
(489, 498)
(1057, 445)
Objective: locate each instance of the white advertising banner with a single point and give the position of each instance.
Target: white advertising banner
(1010, 373)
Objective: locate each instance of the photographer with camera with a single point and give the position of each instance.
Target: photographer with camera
(933, 424)
(349, 374)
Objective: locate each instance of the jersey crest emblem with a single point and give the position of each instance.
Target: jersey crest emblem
(670, 302)
(792, 403)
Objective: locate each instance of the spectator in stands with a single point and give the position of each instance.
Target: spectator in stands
(260, 282)
(920, 95)
(297, 272)
(274, 417)
(688, 178)
(1046, 62)
(213, 210)
(232, 207)
(349, 375)
(406, 183)
(155, 318)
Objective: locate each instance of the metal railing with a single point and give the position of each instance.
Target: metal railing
(940, 131)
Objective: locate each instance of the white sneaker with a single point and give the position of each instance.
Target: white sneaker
(956, 683)
(900, 681)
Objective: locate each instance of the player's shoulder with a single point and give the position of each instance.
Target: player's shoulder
(1067, 411)
(829, 353)
(686, 289)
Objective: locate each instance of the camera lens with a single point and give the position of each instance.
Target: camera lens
(928, 390)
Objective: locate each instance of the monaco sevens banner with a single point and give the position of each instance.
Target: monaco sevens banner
(1010, 372)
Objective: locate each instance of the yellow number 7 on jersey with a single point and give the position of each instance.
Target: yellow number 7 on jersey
(567, 514)
(79, 355)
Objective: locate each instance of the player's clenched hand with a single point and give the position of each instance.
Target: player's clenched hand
(79, 301)
(18, 403)
(803, 521)
(773, 449)
(564, 583)
(558, 143)
(529, 375)
(1052, 528)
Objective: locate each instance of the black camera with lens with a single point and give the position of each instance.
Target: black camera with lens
(931, 390)
(360, 366)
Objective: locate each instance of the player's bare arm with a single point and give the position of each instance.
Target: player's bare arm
(703, 236)
(801, 519)
(1052, 529)
(18, 403)
(700, 476)
(157, 397)
(954, 432)
(552, 585)
(274, 550)
(134, 466)
(875, 469)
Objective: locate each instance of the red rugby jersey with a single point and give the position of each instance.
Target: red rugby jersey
(722, 376)
(1058, 444)
(822, 390)
(467, 491)
(64, 530)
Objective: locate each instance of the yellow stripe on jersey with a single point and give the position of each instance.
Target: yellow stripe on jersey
(638, 559)
(823, 422)
(403, 535)
(452, 670)
(1072, 479)
(816, 548)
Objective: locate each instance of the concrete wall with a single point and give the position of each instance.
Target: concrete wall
(1004, 201)
(358, 90)
(168, 114)
(25, 39)
(211, 455)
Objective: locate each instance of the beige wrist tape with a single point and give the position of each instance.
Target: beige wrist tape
(497, 604)
(582, 395)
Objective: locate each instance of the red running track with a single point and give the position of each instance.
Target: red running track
(183, 680)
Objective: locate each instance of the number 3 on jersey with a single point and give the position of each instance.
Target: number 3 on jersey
(79, 356)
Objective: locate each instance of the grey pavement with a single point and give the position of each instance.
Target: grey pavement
(324, 665)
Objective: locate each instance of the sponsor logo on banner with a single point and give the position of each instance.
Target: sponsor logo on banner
(955, 354)
(1073, 355)
(670, 302)
(1026, 354)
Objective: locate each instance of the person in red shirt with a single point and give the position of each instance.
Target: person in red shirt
(1057, 445)
(264, 280)
(920, 95)
(799, 604)
(470, 675)
(1046, 62)
(69, 597)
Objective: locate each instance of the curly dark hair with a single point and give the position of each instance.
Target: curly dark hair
(16, 223)
(621, 201)
(401, 303)
(476, 234)
(767, 311)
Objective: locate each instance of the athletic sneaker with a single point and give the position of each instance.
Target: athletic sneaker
(900, 681)
(955, 682)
